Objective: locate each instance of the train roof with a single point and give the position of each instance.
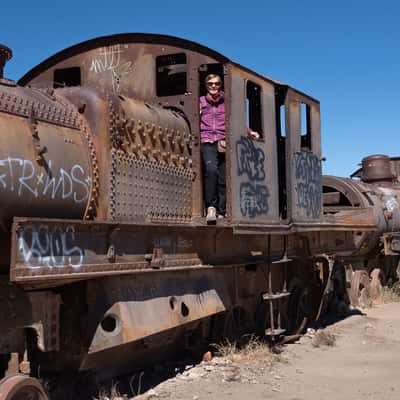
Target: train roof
(146, 38)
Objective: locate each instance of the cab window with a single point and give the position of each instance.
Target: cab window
(171, 74)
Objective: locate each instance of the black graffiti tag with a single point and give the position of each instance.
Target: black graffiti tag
(253, 199)
(250, 159)
(308, 175)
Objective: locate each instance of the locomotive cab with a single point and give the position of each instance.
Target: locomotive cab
(273, 181)
(277, 178)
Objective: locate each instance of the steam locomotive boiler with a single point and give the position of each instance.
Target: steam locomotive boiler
(107, 259)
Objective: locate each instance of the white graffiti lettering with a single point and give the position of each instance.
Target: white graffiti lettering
(49, 247)
(109, 61)
(26, 179)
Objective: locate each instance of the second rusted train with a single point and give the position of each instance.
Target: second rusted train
(106, 257)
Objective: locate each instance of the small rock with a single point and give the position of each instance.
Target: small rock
(195, 398)
(310, 332)
(207, 357)
(274, 389)
(188, 367)
(299, 371)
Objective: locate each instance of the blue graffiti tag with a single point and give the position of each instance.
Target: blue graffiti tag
(250, 159)
(253, 199)
(308, 175)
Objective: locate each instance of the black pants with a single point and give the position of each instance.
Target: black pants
(214, 177)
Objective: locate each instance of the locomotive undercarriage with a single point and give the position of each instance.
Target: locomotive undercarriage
(129, 303)
(115, 303)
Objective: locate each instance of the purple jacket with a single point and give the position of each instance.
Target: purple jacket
(212, 120)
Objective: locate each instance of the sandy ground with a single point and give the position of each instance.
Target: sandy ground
(363, 363)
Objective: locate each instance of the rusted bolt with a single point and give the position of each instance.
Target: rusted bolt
(81, 107)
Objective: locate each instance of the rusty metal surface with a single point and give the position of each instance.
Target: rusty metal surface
(45, 167)
(391, 243)
(5, 55)
(19, 386)
(145, 190)
(376, 168)
(45, 319)
(135, 309)
(303, 160)
(58, 250)
(15, 313)
(47, 253)
(360, 283)
(252, 174)
(50, 252)
(38, 105)
(380, 201)
(151, 176)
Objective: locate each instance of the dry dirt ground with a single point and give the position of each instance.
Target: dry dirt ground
(356, 358)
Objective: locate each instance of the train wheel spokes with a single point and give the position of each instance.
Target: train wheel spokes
(359, 287)
(300, 307)
(21, 387)
(378, 280)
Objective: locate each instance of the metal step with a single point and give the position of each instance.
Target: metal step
(275, 296)
(274, 332)
(282, 261)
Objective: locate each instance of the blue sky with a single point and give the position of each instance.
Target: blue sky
(344, 53)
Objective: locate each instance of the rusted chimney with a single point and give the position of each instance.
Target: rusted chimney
(5, 55)
(377, 168)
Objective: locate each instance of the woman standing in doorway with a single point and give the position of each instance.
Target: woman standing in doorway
(213, 145)
(212, 137)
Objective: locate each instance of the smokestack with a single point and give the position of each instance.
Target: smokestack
(5, 55)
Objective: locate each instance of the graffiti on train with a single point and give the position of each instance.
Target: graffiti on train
(308, 186)
(25, 178)
(109, 60)
(44, 246)
(250, 163)
(253, 199)
(250, 159)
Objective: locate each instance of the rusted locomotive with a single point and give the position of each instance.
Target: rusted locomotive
(106, 257)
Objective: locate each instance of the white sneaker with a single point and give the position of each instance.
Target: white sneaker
(211, 217)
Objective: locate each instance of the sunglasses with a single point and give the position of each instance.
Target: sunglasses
(214, 84)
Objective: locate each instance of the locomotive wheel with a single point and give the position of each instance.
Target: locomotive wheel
(21, 387)
(301, 306)
(359, 287)
(377, 282)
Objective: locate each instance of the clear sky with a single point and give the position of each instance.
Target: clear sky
(344, 53)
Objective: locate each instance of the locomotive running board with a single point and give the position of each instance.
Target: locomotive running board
(46, 253)
(355, 219)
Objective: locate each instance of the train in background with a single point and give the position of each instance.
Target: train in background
(107, 261)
